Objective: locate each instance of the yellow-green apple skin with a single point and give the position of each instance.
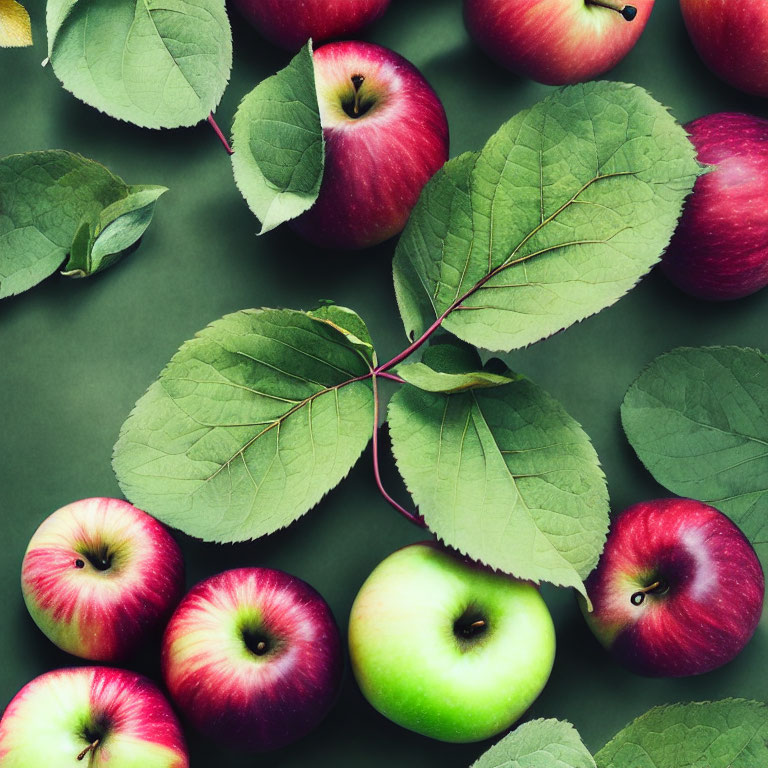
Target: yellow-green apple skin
(419, 660)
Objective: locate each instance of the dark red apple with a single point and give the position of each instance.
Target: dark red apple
(253, 658)
(290, 23)
(386, 134)
(720, 248)
(731, 37)
(678, 590)
(557, 41)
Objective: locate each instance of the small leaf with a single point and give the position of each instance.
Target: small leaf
(249, 426)
(279, 151)
(505, 476)
(539, 744)
(15, 26)
(567, 206)
(51, 204)
(698, 419)
(351, 325)
(155, 63)
(732, 733)
(450, 368)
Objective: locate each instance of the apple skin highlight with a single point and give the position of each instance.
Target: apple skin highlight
(555, 42)
(101, 614)
(320, 20)
(52, 719)
(720, 248)
(376, 164)
(714, 589)
(227, 691)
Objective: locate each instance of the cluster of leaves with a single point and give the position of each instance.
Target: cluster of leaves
(57, 206)
(561, 213)
(732, 733)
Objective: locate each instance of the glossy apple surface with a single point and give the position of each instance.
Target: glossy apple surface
(447, 648)
(720, 248)
(678, 590)
(556, 42)
(731, 36)
(252, 657)
(378, 159)
(100, 576)
(91, 716)
(290, 23)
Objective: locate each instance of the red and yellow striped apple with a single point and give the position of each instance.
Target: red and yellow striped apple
(252, 657)
(100, 576)
(678, 590)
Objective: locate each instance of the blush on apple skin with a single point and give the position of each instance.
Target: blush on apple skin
(710, 597)
(731, 37)
(320, 20)
(376, 164)
(720, 248)
(555, 42)
(232, 688)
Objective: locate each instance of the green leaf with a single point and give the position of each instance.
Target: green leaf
(449, 368)
(567, 206)
(732, 733)
(538, 744)
(15, 26)
(349, 323)
(505, 476)
(51, 204)
(698, 420)
(119, 226)
(155, 63)
(279, 151)
(248, 427)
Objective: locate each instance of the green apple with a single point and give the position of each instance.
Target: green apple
(448, 648)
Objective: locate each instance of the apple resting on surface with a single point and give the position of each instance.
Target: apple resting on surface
(96, 717)
(291, 24)
(386, 134)
(678, 590)
(448, 648)
(720, 248)
(99, 576)
(557, 42)
(731, 36)
(253, 658)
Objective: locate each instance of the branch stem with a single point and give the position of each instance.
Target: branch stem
(218, 132)
(391, 377)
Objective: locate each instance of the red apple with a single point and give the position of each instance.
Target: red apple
(386, 134)
(91, 716)
(557, 41)
(678, 590)
(731, 37)
(291, 24)
(720, 248)
(99, 576)
(253, 657)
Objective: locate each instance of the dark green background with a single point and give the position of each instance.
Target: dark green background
(76, 355)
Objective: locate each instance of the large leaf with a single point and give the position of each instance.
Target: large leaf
(539, 744)
(504, 475)
(698, 420)
(155, 63)
(15, 26)
(559, 215)
(732, 733)
(250, 424)
(55, 203)
(279, 152)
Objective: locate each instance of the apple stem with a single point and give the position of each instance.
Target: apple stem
(627, 11)
(638, 598)
(90, 749)
(218, 132)
(414, 518)
(357, 81)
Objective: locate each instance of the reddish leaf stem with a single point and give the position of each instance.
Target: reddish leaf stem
(222, 137)
(391, 377)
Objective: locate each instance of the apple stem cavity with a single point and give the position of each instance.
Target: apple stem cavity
(629, 12)
(657, 588)
(89, 750)
(218, 132)
(357, 81)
